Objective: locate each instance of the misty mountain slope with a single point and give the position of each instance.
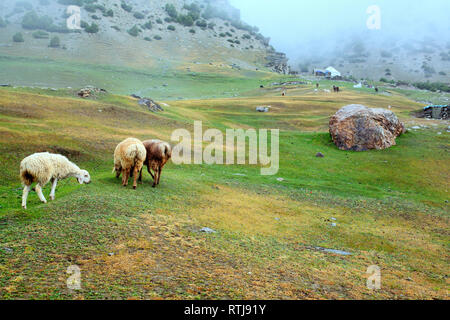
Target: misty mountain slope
(376, 57)
(157, 35)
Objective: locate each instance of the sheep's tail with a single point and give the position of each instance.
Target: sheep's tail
(167, 151)
(137, 153)
(26, 177)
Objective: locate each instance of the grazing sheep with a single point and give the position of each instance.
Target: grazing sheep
(44, 167)
(158, 153)
(129, 158)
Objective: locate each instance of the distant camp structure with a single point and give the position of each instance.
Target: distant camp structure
(436, 112)
(329, 73)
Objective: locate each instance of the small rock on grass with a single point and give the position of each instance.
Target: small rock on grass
(8, 250)
(208, 230)
(280, 179)
(320, 155)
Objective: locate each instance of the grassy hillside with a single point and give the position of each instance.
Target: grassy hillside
(390, 206)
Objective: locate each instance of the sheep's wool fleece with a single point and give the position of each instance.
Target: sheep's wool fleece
(129, 152)
(45, 166)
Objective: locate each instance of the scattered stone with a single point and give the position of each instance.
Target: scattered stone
(333, 224)
(278, 219)
(151, 105)
(135, 96)
(90, 91)
(280, 179)
(358, 128)
(263, 109)
(340, 252)
(111, 254)
(239, 174)
(320, 155)
(334, 219)
(8, 250)
(207, 230)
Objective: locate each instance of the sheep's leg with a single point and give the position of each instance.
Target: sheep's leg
(26, 191)
(150, 171)
(135, 176)
(39, 193)
(124, 177)
(127, 177)
(140, 176)
(156, 179)
(159, 174)
(52, 193)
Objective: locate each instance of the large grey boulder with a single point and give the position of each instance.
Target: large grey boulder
(359, 128)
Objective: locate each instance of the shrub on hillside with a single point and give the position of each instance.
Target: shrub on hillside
(157, 37)
(139, 15)
(192, 31)
(171, 11)
(134, 31)
(18, 37)
(185, 20)
(201, 24)
(55, 42)
(93, 28)
(32, 21)
(109, 13)
(148, 25)
(433, 86)
(171, 28)
(126, 7)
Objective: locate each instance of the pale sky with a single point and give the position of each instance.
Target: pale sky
(293, 23)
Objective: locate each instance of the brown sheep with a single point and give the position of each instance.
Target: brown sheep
(158, 153)
(129, 156)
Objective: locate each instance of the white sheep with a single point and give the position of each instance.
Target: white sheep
(129, 157)
(44, 167)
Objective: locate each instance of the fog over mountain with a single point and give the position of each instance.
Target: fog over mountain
(319, 31)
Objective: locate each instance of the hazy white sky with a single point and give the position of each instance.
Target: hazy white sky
(291, 23)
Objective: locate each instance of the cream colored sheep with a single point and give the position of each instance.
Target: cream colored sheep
(129, 157)
(158, 153)
(44, 167)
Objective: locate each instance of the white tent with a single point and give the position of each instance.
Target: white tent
(333, 72)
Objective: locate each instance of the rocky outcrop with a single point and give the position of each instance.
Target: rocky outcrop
(90, 91)
(278, 62)
(150, 104)
(356, 127)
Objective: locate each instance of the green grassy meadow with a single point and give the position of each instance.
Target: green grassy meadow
(390, 207)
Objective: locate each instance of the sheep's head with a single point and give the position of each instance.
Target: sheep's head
(84, 177)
